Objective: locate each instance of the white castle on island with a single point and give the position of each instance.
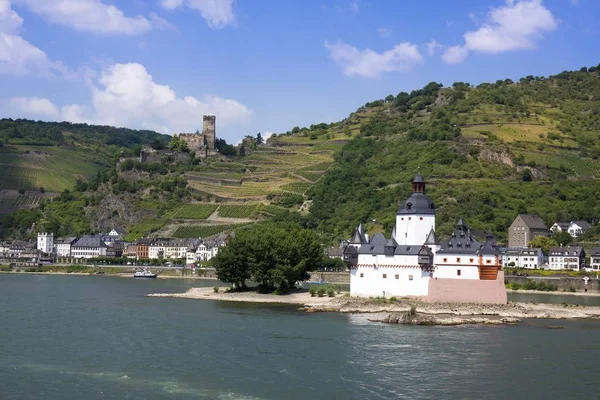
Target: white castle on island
(412, 262)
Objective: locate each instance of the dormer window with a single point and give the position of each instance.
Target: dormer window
(409, 206)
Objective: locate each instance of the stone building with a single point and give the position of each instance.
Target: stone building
(201, 141)
(524, 228)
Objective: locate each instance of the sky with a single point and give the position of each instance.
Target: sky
(268, 65)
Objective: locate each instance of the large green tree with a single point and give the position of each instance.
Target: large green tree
(271, 254)
(543, 242)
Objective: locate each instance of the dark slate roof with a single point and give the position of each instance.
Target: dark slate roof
(489, 247)
(563, 225)
(67, 240)
(431, 239)
(568, 250)
(583, 224)
(350, 250)
(417, 203)
(90, 241)
(378, 239)
(418, 179)
(392, 242)
(461, 241)
(533, 221)
(596, 251)
(358, 236)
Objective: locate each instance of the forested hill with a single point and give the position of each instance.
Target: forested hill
(489, 151)
(39, 133)
(38, 157)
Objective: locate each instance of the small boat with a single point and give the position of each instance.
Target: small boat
(144, 274)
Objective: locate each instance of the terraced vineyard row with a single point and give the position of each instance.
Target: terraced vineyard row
(296, 187)
(194, 211)
(237, 210)
(203, 231)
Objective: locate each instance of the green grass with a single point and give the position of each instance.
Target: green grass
(194, 211)
(272, 210)
(237, 210)
(54, 168)
(296, 187)
(204, 230)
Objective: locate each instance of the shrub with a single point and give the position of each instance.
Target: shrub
(312, 291)
(572, 289)
(321, 292)
(330, 292)
(413, 311)
(216, 289)
(393, 299)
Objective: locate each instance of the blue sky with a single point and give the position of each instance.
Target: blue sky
(266, 66)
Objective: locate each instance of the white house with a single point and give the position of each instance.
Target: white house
(570, 257)
(595, 259)
(89, 247)
(45, 242)
(413, 263)
(523, 258)
(573, 228)
(62, 246)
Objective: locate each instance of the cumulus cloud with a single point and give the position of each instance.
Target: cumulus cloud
(90, 15)
(371, 64)
(433, 47)
(514, 26)
(217, 13)
(17, 56)
(34, 106)
(126, 95)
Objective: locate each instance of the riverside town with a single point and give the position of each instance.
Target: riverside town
(334, 199)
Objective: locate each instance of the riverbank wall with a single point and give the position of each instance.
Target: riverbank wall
(331, 277)
(563, 284)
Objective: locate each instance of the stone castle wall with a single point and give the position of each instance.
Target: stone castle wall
(209, 130)
(467, 291)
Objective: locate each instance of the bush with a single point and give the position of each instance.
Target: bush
(393, 299)
(572, 289)
(216, 289)
(330, 292)
(413, 311)
(321, 292)
(313, 291)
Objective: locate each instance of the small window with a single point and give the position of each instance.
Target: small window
(362, 275)
(397, 276)
(488, 261)
(409, 218)
(471, 260)
(410, 277)
(384, 276)
(458, 272)
(458, 259)
(445, 260)
(421, 218)
(402, 219)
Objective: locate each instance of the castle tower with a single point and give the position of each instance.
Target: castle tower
(45, 242)
(416, 217)
(209, 129)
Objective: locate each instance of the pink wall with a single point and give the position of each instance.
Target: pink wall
(467, 291)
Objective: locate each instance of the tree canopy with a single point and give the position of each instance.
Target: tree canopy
(271, 254)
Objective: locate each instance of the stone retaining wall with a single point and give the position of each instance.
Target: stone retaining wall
(467, 291)
(563, 284)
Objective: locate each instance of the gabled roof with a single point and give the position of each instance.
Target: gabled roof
(461, 241)
(582, 224)
(567, 250)
(489, 247)
(562, 225)
(533, 221)
(392, 242)
(596, 251)
(90, 241)
(378, 239)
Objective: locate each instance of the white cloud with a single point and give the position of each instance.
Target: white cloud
(266, 135)
(515, 26)
(126, 95)
(433, 47)
(370, 64)
(217, 13)
(384, 32)
(17, 56)
(34, 106)
(90, 15)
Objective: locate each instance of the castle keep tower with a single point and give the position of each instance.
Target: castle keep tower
(208, 130)
(416, 217)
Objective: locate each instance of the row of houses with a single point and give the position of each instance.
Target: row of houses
(526, 227)
(110, 245)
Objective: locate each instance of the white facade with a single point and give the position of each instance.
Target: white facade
(387, 281)
(45, 242)
(595, 260)
(88, 252)
(566, 258)
(413, 229)
(575, 229)
(156, 251)
(63, 249)
(531, 258)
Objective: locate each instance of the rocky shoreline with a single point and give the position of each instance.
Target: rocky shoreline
(427, 313)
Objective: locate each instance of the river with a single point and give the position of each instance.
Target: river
(75, 337)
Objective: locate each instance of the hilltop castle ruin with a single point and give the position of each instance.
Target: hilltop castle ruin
(197, 141)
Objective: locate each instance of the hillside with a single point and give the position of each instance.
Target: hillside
(42, 159)
(489, 152)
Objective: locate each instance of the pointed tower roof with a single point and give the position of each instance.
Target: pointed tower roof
(431, 239)
(378, 239)
(460, 222)
(394, 232)
(357, 237)
(418, 178)
(392, 242)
